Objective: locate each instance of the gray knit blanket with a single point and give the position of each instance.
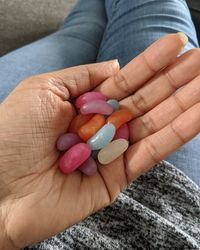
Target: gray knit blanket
(160, 210)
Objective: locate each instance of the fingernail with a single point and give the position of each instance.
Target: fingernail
(183, 38)
(115, 63)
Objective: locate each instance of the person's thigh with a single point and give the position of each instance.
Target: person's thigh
(76, 42)
(135, 24)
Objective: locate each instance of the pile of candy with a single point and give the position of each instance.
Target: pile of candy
(99, 131)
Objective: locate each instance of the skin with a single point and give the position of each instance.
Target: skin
(34, 195)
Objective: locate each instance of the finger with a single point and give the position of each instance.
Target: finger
(80, 79)
(143, 67)
(164, 84)
(166, 111)
(156, 147)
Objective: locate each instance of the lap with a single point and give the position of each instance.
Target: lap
(133, 26)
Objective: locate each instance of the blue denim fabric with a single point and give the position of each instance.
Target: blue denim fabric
(96, 31)
(135, 24)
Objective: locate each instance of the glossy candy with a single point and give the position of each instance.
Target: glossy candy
(122, 132)
(78, 121)
(112, 151)
(74, 157)
(68, 140)
(114, 103)
(102, 137)
(91, 127)
(89, 167)
(97, 124)
(88, 97)
(96, 107)
(120, 117)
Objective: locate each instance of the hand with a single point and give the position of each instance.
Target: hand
(35, 196)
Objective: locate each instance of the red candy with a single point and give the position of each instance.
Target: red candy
(92, 127)
(122, 133)
(74, 157)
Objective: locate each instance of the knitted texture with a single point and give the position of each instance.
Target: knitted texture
(160, 210)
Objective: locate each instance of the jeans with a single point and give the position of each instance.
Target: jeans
(98, 30)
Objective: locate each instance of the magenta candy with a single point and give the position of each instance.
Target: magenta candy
(89, 167)
(68, 140)
(96, 107)
(122, 133)
(74, 157)
(88, 97)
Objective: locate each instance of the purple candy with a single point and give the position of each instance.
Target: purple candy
(88, 97)
(68, 140)
(89, 167)
(96, 107)
(122, 132)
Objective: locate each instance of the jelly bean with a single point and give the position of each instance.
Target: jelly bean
(112, 151)
(91, 127)
(68, 140)
(88, 97)
(74, 157)
(78, 121)
(89, 167)
(97, 107)
(119, 117)
(95, 154)
(122, 132)
(102, 137)
(114, 103)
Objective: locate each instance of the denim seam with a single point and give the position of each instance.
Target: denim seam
(82, 38)
(114, 8)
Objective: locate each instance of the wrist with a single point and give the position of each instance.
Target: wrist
(6, 242)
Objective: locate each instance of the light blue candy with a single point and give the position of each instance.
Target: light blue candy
(102, 137)
(114, 103)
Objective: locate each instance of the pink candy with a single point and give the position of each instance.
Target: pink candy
(81, 155)
(68, 140)
(88, 97)
(122, 132)
(96, 107)
(74, 157)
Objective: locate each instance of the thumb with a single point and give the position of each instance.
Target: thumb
(81, 79)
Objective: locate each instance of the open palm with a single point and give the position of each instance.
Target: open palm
(38, 197)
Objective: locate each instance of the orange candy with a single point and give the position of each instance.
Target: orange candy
(91, 127)
(78, 121)
(120, 117)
